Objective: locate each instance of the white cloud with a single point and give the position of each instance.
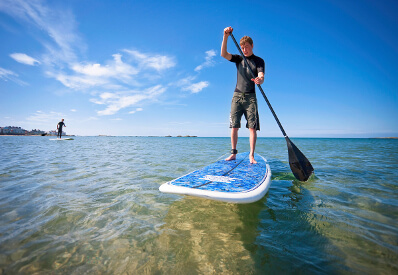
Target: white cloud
(7, 75)
(91, 69)
(116, 74)
(88, 75)
(113, 77)
(187, 84)
(77, 82)
(114, 69)
(196, 87)
(209, 60)
(118, 101)
(157, 62)
(58, 24)
(42, 117)
(184, 82)
(24, 59)
(105, 80)
(136, 110)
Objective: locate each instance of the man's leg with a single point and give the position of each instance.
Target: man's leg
(234, 142)
(253, 140)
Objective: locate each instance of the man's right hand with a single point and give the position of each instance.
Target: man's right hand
(228, 31)
(224, 52)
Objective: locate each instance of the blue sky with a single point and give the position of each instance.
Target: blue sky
(154, 67)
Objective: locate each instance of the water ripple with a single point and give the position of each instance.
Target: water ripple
(92, 205)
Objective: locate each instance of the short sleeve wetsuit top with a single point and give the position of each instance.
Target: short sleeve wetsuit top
(60, 125)
(244, 83)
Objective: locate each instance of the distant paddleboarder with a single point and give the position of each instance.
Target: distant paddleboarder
(244, 101)
(59, 127)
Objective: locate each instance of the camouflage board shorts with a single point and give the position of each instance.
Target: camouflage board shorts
(244, 104)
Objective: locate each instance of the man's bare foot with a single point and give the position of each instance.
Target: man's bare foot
(252, 160)
(231, 157)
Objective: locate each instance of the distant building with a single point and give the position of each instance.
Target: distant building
(12, 130)
(36, 132)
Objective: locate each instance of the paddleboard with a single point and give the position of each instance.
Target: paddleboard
(236, 181)
(61, 138)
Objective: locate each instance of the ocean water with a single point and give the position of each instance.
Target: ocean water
(92, 206)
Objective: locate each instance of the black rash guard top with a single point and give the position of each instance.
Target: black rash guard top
(244, 83)
(60, 125)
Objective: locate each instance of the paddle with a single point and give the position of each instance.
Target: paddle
(299, 164)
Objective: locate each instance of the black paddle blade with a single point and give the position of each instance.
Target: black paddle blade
(299, 164)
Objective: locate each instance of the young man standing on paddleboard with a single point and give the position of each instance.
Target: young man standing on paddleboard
(244, 101)
(59, 127)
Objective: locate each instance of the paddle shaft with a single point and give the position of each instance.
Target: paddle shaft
(259, 86)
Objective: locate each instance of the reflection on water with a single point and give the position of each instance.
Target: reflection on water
(92, 205)
(207, 237)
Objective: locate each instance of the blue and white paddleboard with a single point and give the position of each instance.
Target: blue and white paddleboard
(236, 181)
(61, 138)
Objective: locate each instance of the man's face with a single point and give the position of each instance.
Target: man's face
(247, 49)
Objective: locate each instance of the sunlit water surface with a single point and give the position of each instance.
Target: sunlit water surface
(92, 205)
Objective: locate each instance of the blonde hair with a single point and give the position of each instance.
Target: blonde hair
(245, 39)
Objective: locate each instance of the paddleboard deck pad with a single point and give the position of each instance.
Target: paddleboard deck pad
(236, 181)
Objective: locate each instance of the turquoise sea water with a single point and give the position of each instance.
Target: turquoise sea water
(92, 206)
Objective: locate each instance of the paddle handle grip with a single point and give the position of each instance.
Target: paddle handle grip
(259, 86)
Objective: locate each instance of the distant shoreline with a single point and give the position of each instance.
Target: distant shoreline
(187, 136)
(35, 136)
(386, 137)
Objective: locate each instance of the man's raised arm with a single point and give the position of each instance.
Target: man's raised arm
(224, 52)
